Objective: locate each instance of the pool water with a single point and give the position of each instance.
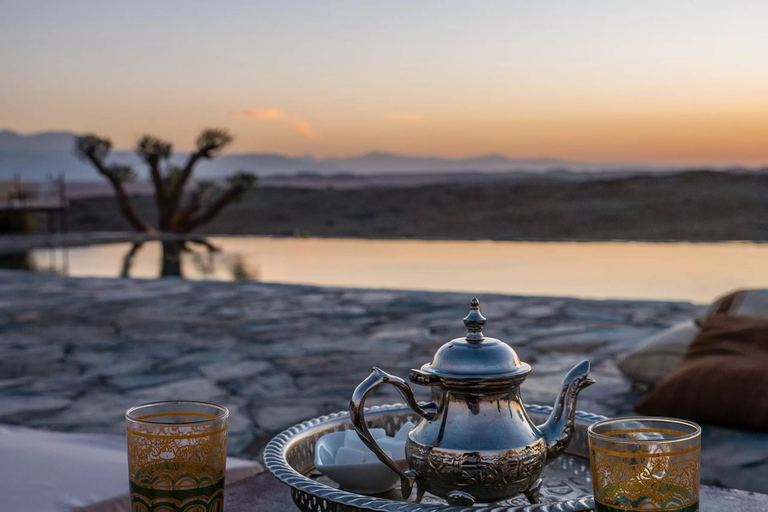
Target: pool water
(623, 270)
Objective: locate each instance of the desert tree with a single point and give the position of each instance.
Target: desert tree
(181, 208)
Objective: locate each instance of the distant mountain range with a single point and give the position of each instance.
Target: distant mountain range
(32, 156)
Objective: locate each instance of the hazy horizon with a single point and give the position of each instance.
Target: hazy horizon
(369, 152)
(37, 151)
(593, 81)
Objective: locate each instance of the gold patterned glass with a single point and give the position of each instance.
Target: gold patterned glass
(645, 464)
(177, 453)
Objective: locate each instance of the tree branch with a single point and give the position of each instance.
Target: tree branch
(197, 198)
(212, 211)
(157, 179)
(169, 188)
(239, 184)
(153, 151)
(123, 201)
(181, 181)
(210, 142)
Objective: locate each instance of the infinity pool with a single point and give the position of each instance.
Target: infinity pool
(668, 271)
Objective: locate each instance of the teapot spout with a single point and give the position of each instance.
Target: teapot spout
(559, 427)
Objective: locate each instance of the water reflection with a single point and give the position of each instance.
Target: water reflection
(198, 259)
(207, 263)
(125, 270)
(16, 261)
(668, 271)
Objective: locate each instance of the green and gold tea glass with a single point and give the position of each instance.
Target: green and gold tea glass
(645, 464)
(177, 453)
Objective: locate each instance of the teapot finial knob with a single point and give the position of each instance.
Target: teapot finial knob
(474, 322)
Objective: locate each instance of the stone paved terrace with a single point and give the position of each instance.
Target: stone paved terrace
(76, 353)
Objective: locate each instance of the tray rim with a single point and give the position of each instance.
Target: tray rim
(277, 464)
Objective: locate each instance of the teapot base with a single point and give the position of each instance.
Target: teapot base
(533, 493)
(464, 499)
(486, 477)
(460, 499)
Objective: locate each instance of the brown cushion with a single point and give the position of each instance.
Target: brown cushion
(723, 378)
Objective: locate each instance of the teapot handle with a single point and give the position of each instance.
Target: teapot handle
(357, 413)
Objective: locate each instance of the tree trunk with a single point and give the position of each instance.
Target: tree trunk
(15, 223)
(171, 264)
(125, 271)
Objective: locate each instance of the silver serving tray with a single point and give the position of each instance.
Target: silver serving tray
(290, 456)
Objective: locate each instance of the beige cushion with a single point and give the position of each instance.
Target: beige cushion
(654, 359)
(742, 303)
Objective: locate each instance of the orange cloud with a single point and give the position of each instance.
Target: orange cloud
(302, 128)
(405, 117)
(267, 115)
(298, 126)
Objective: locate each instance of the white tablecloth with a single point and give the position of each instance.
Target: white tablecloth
(57, 472)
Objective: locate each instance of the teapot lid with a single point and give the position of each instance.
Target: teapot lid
(475, 356)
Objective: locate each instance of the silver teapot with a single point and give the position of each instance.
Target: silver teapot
(475, 442)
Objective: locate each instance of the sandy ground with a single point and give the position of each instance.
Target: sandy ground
(689, 206)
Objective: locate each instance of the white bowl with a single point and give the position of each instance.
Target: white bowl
(366, 478)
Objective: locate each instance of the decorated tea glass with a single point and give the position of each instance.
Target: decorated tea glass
(177, 452)
(645, 464)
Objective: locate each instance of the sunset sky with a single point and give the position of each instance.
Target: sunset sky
(646, 81)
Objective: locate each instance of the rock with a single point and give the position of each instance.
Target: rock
(16, 408)
(537, 311)
(76, 353)
(274, 384)
(36, 360)
(63, 385)
(540, 389)
(558, 364)
(16, 382)
(579, 344)
(241, 431)
(278, 417)
(228, 371)
(595, 314)
(140, 380)
(606, 386)
(615, 340)
(191, 362)
(188, 389)
(100, 411)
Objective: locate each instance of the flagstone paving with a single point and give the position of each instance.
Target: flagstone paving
(76, 353)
